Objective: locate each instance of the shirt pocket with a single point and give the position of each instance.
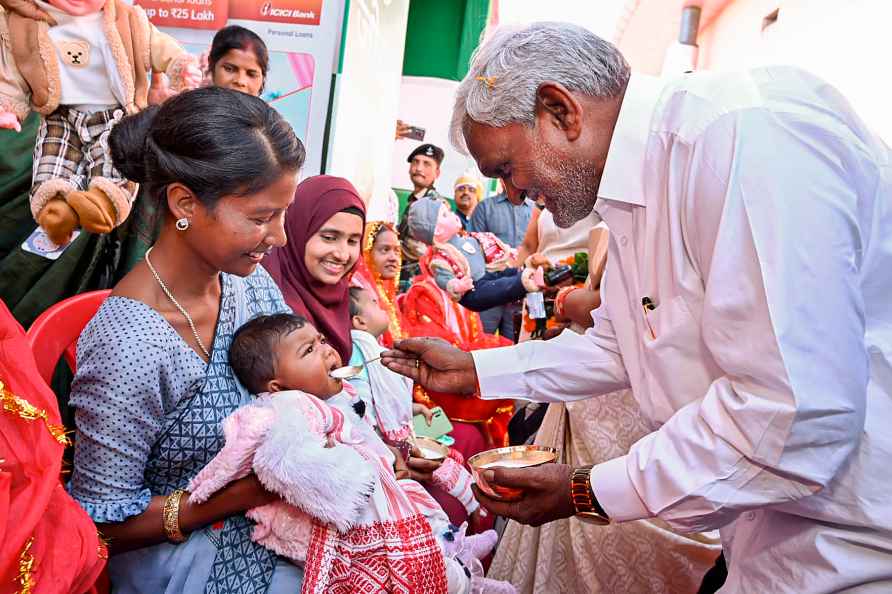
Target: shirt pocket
(677, 366)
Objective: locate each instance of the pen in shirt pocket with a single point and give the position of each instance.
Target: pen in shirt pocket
(648, 305)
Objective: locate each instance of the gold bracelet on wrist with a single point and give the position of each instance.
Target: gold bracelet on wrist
(171, 516)
(584, 502)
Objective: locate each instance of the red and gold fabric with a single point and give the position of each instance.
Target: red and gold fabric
(429, 311)
(47, 542)
(367, 276)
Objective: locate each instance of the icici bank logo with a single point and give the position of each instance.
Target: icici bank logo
(268, 10)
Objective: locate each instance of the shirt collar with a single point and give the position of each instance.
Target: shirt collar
(428, 192)
(623, 175)
(503, 197)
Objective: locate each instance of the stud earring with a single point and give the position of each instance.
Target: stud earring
(182, 224)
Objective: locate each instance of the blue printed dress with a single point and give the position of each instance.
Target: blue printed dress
(149, 413)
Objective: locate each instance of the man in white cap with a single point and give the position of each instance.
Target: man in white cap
(467, 193)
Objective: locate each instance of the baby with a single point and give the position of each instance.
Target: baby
(342, 513)
(475, 269)
(387, 396)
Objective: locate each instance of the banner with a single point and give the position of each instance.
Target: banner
(196, 14)
(296, 12)
(302, 36)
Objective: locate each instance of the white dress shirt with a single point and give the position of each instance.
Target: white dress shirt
(755, 211)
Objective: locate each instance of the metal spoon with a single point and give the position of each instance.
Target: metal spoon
(348, 371)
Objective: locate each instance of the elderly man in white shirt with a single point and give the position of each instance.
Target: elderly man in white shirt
(747, 302)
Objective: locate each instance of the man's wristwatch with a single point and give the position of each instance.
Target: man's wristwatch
(587, 507)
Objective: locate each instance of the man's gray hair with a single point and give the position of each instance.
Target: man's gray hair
(511, 64)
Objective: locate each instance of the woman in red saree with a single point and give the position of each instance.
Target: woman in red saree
(378, 270)
(429, 311)
(47, 542)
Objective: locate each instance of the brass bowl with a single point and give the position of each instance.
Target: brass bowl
(524, 456)
(431, 449)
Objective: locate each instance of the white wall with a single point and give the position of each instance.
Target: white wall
(367, 99)
(848, 43)
(427, 103)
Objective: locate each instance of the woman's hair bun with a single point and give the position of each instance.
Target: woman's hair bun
(127, 142)
(217, 142)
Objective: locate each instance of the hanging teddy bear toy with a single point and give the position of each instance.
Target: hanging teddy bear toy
(83, 65)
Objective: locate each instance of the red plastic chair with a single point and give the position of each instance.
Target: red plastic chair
(55, 332)
(53, 335)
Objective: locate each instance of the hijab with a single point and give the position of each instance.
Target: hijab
(316, 200)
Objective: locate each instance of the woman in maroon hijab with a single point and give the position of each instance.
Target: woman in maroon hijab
(324, 226)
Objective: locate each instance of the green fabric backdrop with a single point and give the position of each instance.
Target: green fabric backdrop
(441, 35)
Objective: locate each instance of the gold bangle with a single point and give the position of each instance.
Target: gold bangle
(171, 515)
(585, 504)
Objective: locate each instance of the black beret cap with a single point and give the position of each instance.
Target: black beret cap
(428, 150)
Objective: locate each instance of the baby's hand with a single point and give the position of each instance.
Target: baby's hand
(477, 522)
(421, 469)
(400, 469)
(8, 121)
(457, 287)
(533, 279)
(420, 409)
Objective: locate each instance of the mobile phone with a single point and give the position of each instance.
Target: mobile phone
(558, 274)
(439, 426)
(415, 133)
